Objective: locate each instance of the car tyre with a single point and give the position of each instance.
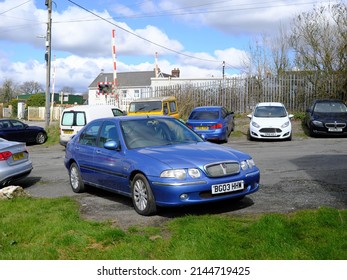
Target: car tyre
(41, 138)
(142, 196)
(76, 181)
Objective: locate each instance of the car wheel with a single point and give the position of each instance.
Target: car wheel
(76, 182)
(142, 196)
(41, 138)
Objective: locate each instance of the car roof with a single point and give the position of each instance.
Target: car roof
(207, 108)
(279, 104)
(88, 108)
(137, 117)
(328, 100)
(159, 98)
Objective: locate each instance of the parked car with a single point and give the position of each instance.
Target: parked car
(74, 118)
(15, 163)
(157, 161)
(162, 105)
(15, 130)
(270, 120)
(213, 123)
(327, 117)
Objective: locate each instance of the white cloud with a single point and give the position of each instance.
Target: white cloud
(83, 42)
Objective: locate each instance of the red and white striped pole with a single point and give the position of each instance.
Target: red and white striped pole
(115, 81)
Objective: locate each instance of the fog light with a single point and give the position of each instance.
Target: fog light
(184, 196)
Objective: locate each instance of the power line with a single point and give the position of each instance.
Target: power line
(14, 7)
(165, 13)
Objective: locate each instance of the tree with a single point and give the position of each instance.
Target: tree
(36, 100)
(31, 87)
(319, 40)
(269, 55)
(67, 89)
(7, 91)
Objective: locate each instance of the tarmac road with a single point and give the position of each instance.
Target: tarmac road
(298, 174)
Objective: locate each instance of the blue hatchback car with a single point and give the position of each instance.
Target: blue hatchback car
(213, 123)
(157, 161)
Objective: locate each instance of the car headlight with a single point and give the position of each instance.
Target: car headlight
(174, 173)
(181, 173)
(255, 124)
(194, 173)
(285, 125)
(245, 164)
(318, 123)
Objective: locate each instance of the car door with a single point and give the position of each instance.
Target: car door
(85, 150)
(22, 132)
(109, 164)
(11, 132)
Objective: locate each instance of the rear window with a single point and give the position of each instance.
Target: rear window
(73, 118)
(204, 115)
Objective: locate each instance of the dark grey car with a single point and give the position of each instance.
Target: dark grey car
(327, 117)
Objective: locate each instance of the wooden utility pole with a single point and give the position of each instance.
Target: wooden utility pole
(48, 61)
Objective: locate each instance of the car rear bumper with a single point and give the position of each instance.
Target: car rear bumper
(13, 173)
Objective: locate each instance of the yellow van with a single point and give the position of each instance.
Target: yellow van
(165, 105)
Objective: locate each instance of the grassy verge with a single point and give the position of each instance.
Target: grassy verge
(43, 229)
(53, 134)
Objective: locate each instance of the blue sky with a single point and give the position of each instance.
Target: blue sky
(195, 36)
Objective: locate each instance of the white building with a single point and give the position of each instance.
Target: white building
(130, 86)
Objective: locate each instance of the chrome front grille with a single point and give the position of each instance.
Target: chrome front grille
(222, 169)
(335, 125)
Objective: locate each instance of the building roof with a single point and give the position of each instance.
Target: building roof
(127, 79)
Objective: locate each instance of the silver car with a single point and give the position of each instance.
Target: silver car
(15, 163)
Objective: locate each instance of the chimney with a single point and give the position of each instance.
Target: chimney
(175, 72)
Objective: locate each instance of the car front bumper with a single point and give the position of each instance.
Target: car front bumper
(270, 133)
(200, 191)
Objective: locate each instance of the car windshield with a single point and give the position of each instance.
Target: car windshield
(204, 115)
(270, 112)
(330, 107)
(156, 132)
(145, 106)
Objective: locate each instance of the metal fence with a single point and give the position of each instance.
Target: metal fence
(295, 91)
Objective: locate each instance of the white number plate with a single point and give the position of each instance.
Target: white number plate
(270, 134)
(227, 187)
(335, 129)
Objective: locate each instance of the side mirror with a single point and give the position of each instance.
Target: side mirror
(249, 116)
(112, 145)
(290, 116)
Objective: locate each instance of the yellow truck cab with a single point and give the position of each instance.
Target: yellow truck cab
(164, 105)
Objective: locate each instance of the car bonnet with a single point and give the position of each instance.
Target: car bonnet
(192, 155)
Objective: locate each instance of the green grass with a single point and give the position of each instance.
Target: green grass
(52, 229)
(53, 134)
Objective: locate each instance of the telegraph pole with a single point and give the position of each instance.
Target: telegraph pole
(223, 70)
(48, 61)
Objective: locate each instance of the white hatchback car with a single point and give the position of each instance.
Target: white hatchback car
(270, 120)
